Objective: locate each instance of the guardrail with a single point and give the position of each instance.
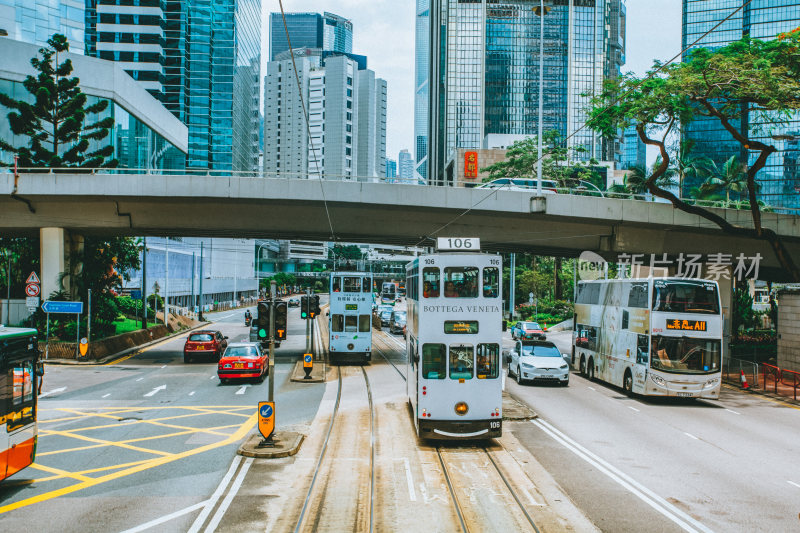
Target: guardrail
(737, 367)
(780, 379)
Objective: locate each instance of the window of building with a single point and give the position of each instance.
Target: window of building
(349, 81)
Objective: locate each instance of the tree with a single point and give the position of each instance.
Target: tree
(711, 84)
(56, 120)
(351, 251)
(22, 255)
(731, 178)
(688, 166)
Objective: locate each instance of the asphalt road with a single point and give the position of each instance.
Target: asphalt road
(664, 465)
(145, 438)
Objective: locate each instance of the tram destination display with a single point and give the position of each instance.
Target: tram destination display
(461, 326)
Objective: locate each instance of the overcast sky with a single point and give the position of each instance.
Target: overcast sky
(383, 30)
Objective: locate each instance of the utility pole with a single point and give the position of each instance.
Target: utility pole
(272, 291)
(193, 272)
(200, 306)
(166, 282)
(89, 316)
(144, 284)
(511, 284)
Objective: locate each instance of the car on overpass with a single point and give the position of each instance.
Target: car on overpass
(520, 184)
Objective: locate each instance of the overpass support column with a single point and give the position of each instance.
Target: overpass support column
(726, 293)
(53, 259)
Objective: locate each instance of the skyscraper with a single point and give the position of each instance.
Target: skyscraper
(37, 21)
(634, 151)
(779, 180)
(484, 73)
(421, 93)
(327, 32)
(405, 166)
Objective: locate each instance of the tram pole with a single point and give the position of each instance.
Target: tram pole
(272, 291)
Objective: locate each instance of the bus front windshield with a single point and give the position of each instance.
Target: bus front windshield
(684, 355)
(686, 296)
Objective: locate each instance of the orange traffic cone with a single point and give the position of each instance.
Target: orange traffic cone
(745, 385)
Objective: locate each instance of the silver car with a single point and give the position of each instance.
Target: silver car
(538, 361)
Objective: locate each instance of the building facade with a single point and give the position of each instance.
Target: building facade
(405, 166)
(391, 168)
(484, 73)
(633, 151)
(779, 180)
(422, 54)
(35, 21)
(328, 32)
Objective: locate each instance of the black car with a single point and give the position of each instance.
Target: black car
(293, 302)
(398, 322)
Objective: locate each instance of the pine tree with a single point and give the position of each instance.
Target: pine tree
(56, 121)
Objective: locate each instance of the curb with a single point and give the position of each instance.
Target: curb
(762, 392)
(286, 443)
(106, 359)
(298, 374)
(512, 404)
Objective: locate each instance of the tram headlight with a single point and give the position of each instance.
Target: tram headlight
(658, 380)
(351, 346)
(461, 408)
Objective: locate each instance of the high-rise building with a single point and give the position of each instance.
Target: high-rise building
(37, 21)
(391, 168)
(779, 180)
(633, 152)
(484, 73)
(405, 166)
(328, 32)
(201, 60)
(346, 105)
(421, 94)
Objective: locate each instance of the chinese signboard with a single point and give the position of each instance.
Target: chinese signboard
(470, 164)
(689, 325)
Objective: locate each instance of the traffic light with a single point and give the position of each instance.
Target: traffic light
(304, 307)
(262, 321)
(314, 306)
(281, 309)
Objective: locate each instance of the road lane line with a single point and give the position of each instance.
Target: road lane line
(633, 408)
(226, 316)
(140, 379)
(793, 483)
(212, 377)
(223, 507)
(732, 411)
(106, 395)
(54, 391)
(191, 393)
(211, 502)
(690, 436)
(163, 366)
(242, 389)
(592, 388)
(412, 495)
(154, 391)
(166, 518)
(652, 499)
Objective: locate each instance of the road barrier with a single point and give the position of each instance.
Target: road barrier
(783, 381)
(734, 368)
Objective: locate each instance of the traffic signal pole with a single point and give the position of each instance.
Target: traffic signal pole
(272, 291)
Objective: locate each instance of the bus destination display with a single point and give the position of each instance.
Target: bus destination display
(686, 325)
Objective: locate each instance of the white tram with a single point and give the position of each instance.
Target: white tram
(455, 326)
(350, 317)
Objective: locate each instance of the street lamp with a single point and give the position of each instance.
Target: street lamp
(540, 11)
(593, 185)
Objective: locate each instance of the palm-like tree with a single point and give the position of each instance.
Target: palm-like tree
(635, 180)
(731, 178)
(687, 166)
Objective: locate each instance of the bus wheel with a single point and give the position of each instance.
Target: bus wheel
(627, 382)
(583, 366)
(590, 370)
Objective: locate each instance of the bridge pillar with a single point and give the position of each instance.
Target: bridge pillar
(53, 258)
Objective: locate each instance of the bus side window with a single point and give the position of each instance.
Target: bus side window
(430, 282)
(351, 323)
(337, 323)
(352, 284)
(337, 284)
(488, 361)
(491, 282)
(641, 349)
(434, 364)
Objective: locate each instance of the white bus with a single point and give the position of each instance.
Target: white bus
(455, 324)
(350, 317)
(654, 337)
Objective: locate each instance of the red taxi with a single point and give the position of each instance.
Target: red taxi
(243, 360)
(204, 343)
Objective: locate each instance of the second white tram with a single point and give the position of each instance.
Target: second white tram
(454, 342)
(350, 317)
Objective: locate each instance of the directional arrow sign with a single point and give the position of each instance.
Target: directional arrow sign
(159, 388)
(54, 391)
(74, 308)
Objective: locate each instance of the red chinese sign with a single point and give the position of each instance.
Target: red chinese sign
(470, 164)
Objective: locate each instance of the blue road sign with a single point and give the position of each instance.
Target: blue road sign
(308, 358)
(74, 308)
(136, 294)
(266, 410)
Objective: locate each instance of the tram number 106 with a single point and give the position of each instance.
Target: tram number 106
(495, 424)
(449, 243)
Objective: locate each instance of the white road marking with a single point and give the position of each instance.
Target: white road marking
(411, 494)
(106, 395)
(592, 388)
(212, 377)
(690, 436)
(226, 316)
(793, 483)
(211, 502)
(423, 491)
(223, 507)
(732, 411)
(163, 366)
(633, 408)
(191, 393)
(166, 518)
(242, 389)
(652, 499)
(54, 391)
(531, 500)
(154, 391)
(140, 379)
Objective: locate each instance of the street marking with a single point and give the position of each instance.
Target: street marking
(690, 436)
(633, 408)
(212, 377)
(211, 502)
(652, 499)
(191, 393)
(54, 391)
(106, 395)
(167, 518)
(223, 507)
(732, 411)
(140, 379)
(154, 391)
(242, 389)
(592, 388)
(226, 316)
(793, 483)
(411, 494)
(163, 366)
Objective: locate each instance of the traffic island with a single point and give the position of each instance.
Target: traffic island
(514, 409)
(286, 443)
(319, 373)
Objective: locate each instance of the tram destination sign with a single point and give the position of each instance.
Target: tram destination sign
(458, 244)
(461, 326)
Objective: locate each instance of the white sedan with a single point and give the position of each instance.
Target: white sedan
(538, 361)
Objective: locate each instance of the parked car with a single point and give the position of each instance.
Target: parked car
(293, 302)
(243, 360)
(520, 184)
(397, 322)
(386, 318)
(528, 330)
(205, 343)
(538, 361)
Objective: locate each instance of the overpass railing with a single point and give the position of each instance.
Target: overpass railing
(580, 189)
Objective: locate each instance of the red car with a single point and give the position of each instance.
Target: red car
(528, 330)
(204, 343)
(243, 360)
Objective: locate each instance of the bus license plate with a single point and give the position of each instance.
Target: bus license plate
(685, 394)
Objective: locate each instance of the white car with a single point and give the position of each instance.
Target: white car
(520, 184)
(538, 361)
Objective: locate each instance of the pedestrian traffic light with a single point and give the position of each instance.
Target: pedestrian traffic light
(281, 310)
(262, 321)
(304, 307)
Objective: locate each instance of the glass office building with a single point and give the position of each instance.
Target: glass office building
(762, 19)
(484, 73)
(421, 94)
(633, 152)
(327, 32)
(37, 21)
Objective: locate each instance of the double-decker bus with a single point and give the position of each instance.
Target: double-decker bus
(19, 355)
(389, 292)
(350, 317)
(654, 337)
(454, 341)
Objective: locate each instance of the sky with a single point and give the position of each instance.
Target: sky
(384, 31)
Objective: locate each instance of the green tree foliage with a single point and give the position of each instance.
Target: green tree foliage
(686, 165)
(710, 84)
(22, 254)
(56, 121)
(743, 315)
(731, 178)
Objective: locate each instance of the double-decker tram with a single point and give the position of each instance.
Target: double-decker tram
(654, 337)
(350, 317)
(389, 292)
(454, 341)
(19, 355)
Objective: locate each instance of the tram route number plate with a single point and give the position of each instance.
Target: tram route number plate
(494, 424)
(472, 244)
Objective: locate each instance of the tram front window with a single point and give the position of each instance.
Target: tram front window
(430, 282)
(491, 282)
(434, 361)
(461, 282)
(462, 362)
(488, 356)
(364, 323)
(351, 323)
(352, 284)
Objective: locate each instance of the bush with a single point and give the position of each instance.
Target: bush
(129, 306)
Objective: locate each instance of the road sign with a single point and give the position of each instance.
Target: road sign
(458, 244)
(32, 302)
(136, 294)
(84, 346)
(307, 360)
(74, 308)
(33, 278)
(31, 290)
(266, 418)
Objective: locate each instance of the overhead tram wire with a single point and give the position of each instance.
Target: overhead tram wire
(661, 67)
(305, 117)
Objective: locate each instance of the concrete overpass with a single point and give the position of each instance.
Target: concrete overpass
(248, 207)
